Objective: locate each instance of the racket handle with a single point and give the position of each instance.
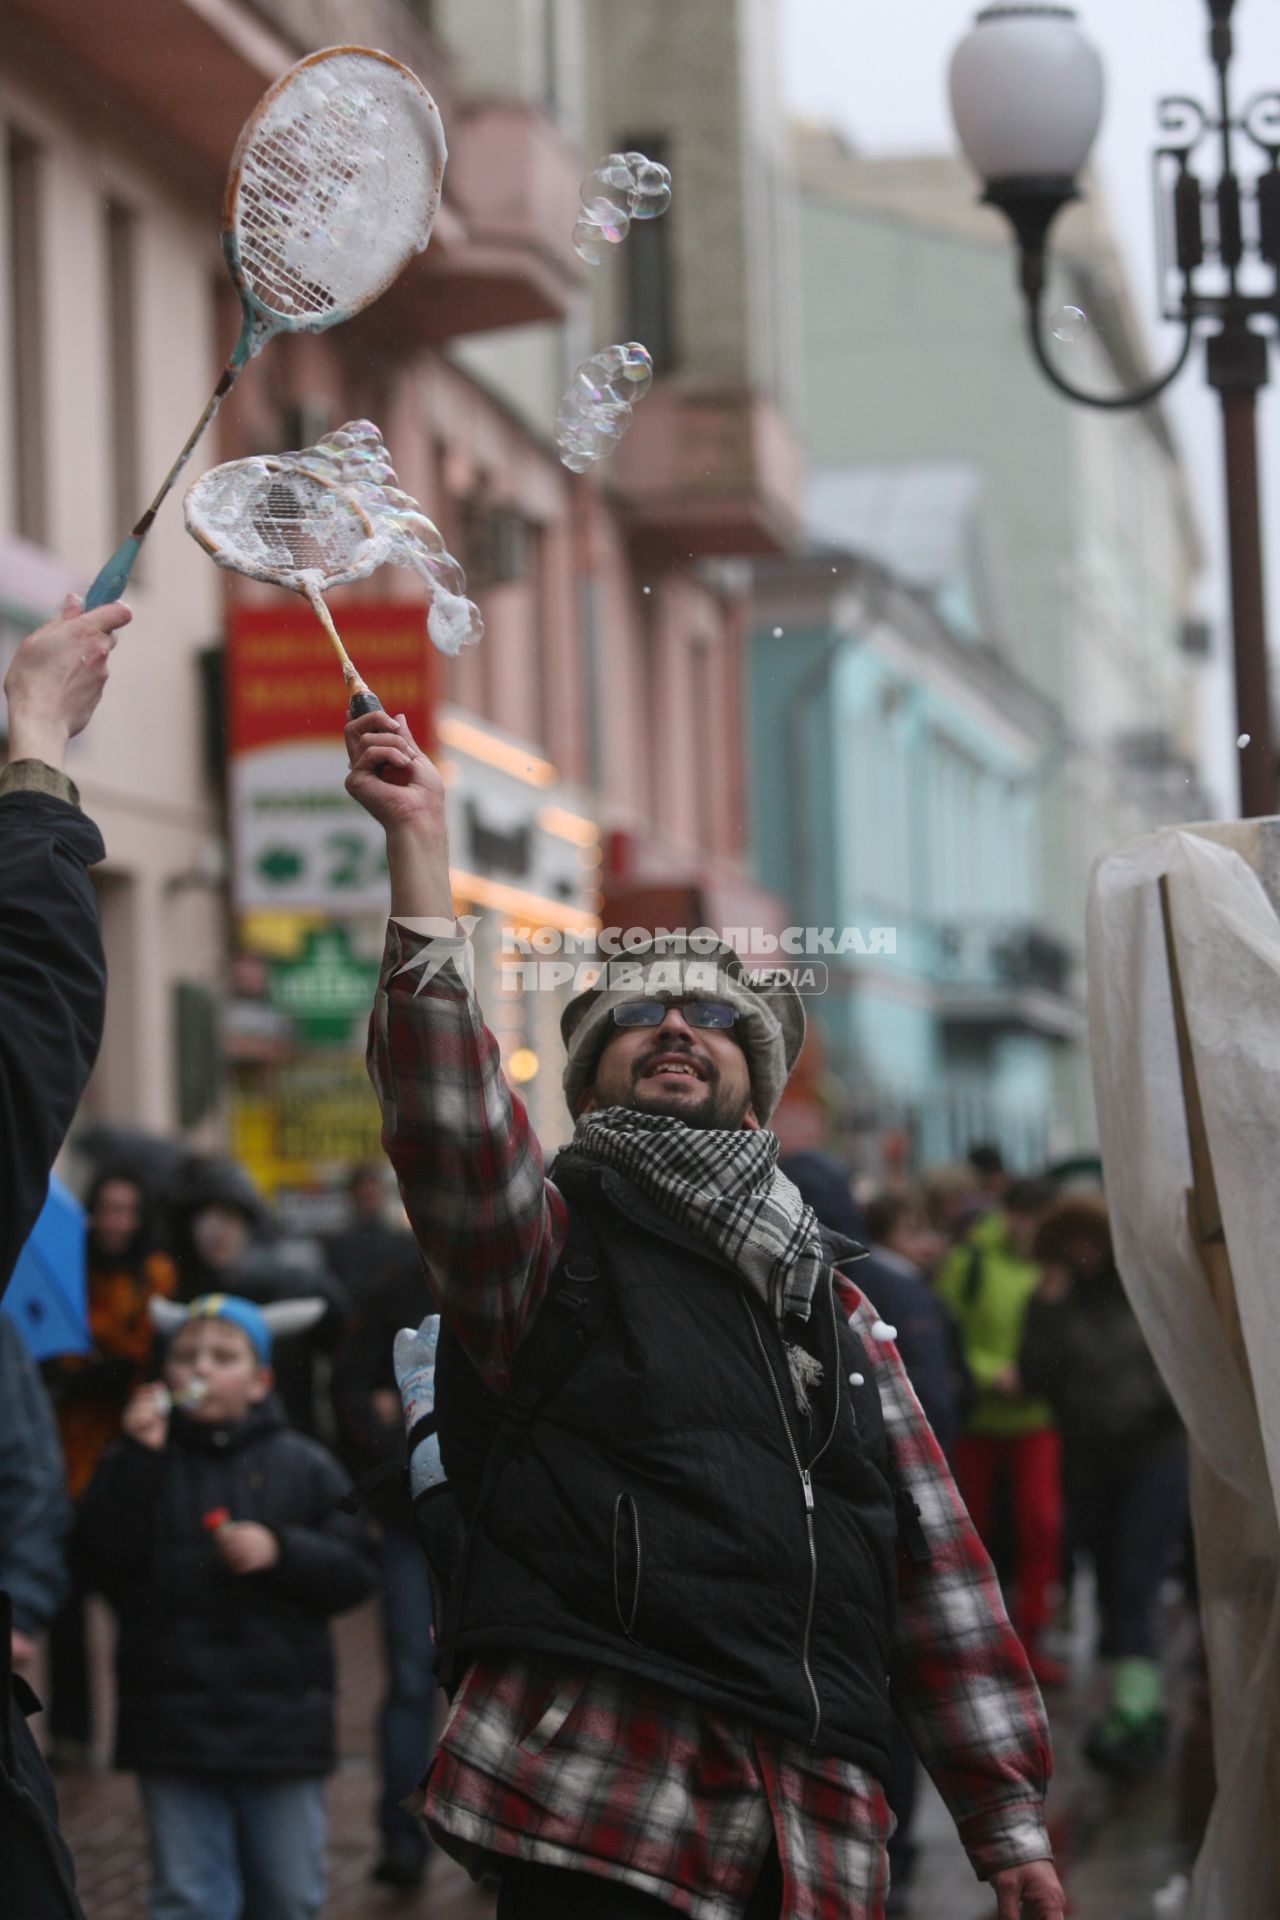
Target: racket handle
(114, 577)
(366, 702)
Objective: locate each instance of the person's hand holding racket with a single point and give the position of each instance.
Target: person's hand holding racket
(57, 677)
(378, 740)
(412, 814)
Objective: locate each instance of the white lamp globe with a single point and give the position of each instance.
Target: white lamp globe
(1026, 93)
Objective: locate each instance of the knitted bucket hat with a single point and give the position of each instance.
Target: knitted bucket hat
(770, 1026)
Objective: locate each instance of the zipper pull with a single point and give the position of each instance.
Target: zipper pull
(807, 1484)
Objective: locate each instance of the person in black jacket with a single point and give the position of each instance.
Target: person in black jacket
(53, 982)
(371, 1436)
(928, 1342)
(1124, 1458)
(214, 1534)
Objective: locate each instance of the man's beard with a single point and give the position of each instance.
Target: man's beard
(713, 1110)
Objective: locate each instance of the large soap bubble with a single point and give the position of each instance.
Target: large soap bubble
(595, 410)
(333, 513)
(623, 188)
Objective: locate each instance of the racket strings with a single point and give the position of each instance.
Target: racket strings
(319, 224)
(283, 527)
(292, 182)
(306, 532)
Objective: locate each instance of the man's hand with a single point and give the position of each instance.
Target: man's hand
(376, 740)
(1030, 1892)
(412, 815)
(56, 679)
(22, 1651)
(245, 1547)
(146, 1418)
(384, 1403)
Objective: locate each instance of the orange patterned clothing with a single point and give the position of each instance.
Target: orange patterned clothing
(90, 1390)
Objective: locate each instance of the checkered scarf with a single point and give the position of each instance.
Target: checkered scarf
(725, 1186)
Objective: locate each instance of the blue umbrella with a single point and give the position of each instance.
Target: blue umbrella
(47, 1296)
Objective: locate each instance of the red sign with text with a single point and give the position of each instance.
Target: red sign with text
(284, 682)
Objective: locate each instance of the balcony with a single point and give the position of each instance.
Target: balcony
(996, 975)
(710, 472)
(513, 184)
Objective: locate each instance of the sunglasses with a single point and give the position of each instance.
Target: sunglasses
(652, 1013)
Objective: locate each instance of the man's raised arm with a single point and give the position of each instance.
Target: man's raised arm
(488, 1224)
(52, 974)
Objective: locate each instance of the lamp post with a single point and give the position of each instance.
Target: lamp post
(1026, 97)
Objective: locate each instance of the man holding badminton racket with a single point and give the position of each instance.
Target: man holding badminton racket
(713, 1545)
(52, 1001)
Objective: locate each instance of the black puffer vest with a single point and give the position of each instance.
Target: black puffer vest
(668, 1512)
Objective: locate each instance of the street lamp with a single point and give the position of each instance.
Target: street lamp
(1026, 97)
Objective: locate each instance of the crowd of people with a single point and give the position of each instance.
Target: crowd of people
(1009, 1317)
(719, 1594)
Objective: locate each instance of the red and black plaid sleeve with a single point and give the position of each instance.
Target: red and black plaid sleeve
(489, 1224)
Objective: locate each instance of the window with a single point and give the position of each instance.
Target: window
(26, 332)
(122, 365)
(647, 259)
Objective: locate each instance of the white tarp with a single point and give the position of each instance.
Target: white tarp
(1227, 936)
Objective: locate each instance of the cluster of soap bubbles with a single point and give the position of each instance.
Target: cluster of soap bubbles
(595, 410)
(356, 457)
(330, 514)
(623, 188)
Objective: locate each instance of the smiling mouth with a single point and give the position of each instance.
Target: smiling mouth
(671, 1069)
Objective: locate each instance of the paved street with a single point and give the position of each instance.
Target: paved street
(1115, 1844)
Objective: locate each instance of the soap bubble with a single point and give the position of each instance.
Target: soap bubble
(589, 242)
(1069, 324)
(353, 466)
(1244, 740)
(777, 633)
(595, 409)
(623, 188)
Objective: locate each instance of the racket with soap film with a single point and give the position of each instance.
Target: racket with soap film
(334, 185)
(273, 518)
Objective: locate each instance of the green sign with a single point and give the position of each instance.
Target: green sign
(327, 990)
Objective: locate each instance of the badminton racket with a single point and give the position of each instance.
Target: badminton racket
(274, 520)
(333, 187)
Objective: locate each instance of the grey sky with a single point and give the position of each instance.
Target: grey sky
(878, 70)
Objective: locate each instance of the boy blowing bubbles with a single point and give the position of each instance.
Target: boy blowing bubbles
(213, 1375)
(213, 1529)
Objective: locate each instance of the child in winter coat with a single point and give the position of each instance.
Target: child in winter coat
(212, 1528)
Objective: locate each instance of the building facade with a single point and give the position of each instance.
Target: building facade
(1056, 540)
(594, 737)
(896, 778)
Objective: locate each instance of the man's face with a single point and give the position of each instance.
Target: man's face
(1022, 1232)
(695, 1074)
(116, 1216)
(220, 1235)
(222, 1357)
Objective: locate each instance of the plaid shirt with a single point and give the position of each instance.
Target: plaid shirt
(588, 1768)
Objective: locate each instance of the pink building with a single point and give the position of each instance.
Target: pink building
(602, 711)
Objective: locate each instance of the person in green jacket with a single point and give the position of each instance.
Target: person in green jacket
(988, 1281)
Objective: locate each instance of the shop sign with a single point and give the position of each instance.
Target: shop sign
(299, 842)
(328, 990)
